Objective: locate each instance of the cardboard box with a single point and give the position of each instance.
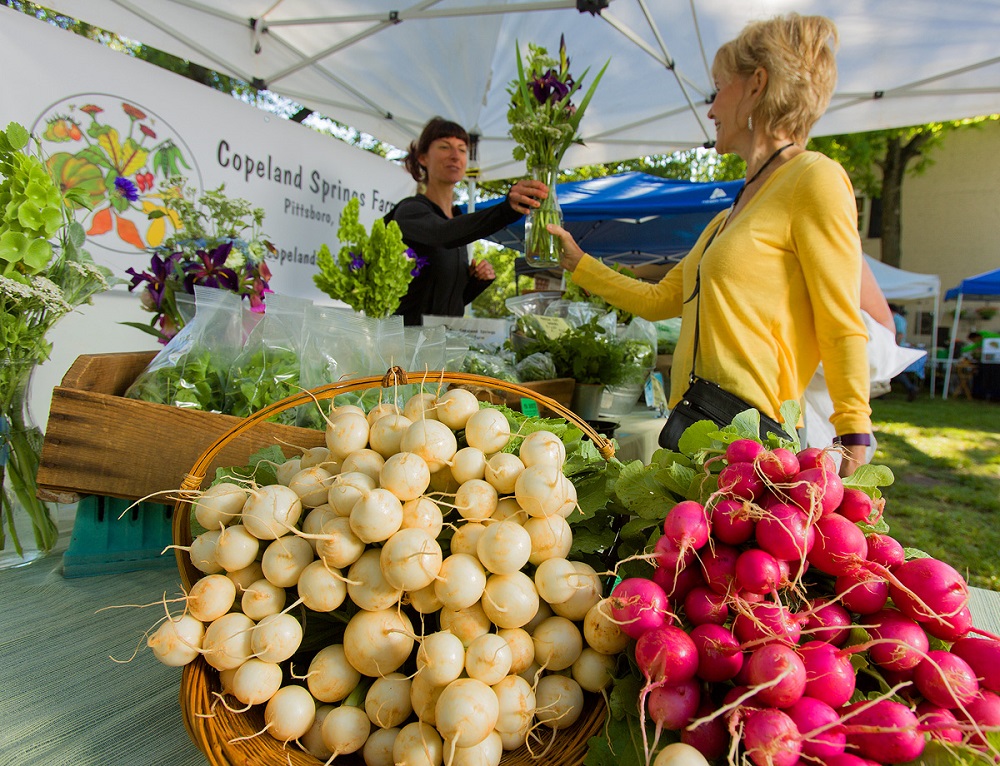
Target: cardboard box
(99, 443)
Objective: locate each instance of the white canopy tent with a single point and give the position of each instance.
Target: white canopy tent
(899, 285)
(386, 66)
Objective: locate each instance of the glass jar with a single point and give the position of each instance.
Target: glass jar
(542, 249)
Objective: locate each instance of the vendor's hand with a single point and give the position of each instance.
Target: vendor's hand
(482, 270)
(854, 457)
(526, 195)
(571, 252)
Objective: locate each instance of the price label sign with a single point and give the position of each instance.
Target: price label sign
(529, 407)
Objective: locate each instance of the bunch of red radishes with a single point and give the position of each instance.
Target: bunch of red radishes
(780, 628)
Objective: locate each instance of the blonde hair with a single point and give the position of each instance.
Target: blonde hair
(797, 52)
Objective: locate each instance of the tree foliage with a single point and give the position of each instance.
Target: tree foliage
(877, 162)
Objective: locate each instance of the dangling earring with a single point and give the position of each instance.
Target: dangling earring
(750, 122)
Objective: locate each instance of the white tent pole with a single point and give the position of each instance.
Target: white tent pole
(949, 361)
(934, 335)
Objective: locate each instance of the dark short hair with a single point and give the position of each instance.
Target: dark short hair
(438, 127)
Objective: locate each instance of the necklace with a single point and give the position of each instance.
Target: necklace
(760, 170)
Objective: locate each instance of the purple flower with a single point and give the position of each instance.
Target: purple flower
(419, 261)
(357, 262)
(160, 270)
(125, 188)
(549, 87)
(209, 269)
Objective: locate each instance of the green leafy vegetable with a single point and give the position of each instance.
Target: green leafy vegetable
(372, 271)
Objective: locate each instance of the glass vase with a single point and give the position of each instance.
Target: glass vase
(541, 249)
(27, 529)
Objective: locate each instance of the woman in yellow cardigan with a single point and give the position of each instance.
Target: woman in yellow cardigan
(780, 272)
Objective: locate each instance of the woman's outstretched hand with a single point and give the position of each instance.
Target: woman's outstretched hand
(571, 252)
(526, 195)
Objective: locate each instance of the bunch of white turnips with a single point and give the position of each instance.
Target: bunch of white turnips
(448, 656)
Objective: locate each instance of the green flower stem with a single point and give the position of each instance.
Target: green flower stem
(542, 249)
(22, 442)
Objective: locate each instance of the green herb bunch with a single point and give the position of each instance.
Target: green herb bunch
(372, 271)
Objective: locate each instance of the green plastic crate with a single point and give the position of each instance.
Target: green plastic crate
(103, 543)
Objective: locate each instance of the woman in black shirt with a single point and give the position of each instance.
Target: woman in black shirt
(436, 231)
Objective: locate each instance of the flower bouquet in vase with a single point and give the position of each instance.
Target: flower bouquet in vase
(44, 275)
(545, 123)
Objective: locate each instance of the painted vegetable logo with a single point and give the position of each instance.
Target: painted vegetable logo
(113, 151)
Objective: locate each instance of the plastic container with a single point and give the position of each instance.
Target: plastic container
(620, 400)
(103, 543)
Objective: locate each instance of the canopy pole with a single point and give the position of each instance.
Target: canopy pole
(951, 345)
(934, 341)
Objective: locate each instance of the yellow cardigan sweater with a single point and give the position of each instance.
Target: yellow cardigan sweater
(780, 292)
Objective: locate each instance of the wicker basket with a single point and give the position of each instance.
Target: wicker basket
(213, 728)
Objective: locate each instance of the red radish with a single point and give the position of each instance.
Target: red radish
(785, 532)
(719, 568)
(778, 466)
(765, 623)
(740, 480)
(827, 621)
(710, 738)
(719, 655)
(743, 451)
(848, 760)
(757, 571)
(673, 707)
(951, 627)
(811, 714)
(983, 656)
(686, 525)
(940, 723)
(772, 662)
(884, 731)
(677, 584)
(903, 642)
(771, 738)
(927, 588)
(638, 605)
(671, 556)
(666, 656)
(840, 545)
(946, 679)
(855, 505)
(818, 491)
(704, 606)
(830, 676)
(814, 457)
(731, 524)
(885, 550)
(984, 709)
(862, 591)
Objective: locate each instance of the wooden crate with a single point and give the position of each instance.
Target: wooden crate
(99, 443)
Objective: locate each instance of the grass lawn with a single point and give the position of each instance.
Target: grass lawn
(946, 497)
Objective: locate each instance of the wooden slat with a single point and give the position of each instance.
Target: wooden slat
(107, 373)
(98, 444)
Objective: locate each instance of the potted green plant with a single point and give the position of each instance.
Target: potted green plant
(986, 313)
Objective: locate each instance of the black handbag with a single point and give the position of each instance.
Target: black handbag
(705, 400)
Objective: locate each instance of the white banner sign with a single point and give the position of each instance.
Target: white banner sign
(101, 115)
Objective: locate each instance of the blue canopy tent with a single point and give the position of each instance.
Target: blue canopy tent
(633, 218)
(980, 287)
